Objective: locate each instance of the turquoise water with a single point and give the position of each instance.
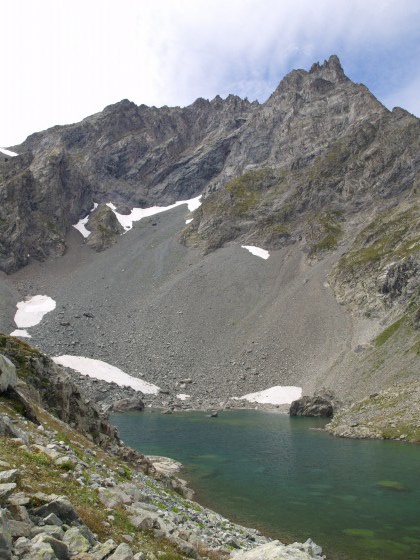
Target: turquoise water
(359, 500)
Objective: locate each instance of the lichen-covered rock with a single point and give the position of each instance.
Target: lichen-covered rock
(76, 541)
(122, 552)
(59, 547)
(8, 377)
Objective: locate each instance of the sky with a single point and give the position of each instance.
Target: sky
(64, 60)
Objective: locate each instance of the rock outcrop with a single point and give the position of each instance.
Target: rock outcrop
(312, 406)
(41, 380)
(392, 413)
(105, 229)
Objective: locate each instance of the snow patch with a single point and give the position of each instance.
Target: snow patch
(8, 152)
(189, 221)
(136, 214)
(257, 251)
(183, 396)
(21, 333)
(193, 203)
(275, 395)
(81, 224)
(31, 311)
(105, 372)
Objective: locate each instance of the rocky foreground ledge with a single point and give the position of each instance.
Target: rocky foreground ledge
(66, 494)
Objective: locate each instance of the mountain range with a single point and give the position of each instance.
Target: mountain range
(321, 175)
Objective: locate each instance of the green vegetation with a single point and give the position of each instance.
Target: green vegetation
(388, 332)
(39, 473)
(391, 235)
(325, 231)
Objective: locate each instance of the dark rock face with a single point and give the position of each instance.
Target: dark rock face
(124, 405)
(126, 154)
(312, 406)
(48, 384)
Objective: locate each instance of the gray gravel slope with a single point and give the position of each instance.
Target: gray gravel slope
(230, 321)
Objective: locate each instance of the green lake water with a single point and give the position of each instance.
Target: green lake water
(359, 500)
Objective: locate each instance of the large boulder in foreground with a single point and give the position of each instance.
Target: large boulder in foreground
(312, 406)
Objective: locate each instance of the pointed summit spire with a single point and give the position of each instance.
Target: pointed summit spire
(330, 70)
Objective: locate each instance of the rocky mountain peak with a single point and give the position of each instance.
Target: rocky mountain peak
(142, 156)
(330, 70)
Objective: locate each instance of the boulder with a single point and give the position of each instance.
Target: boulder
(122, 552)
(8, 377)
(40, 551)
(8, 476)
(6, 490)
(61, 507)
(5, 537)
(103, 550)
(76, 541)
(59, 547)
(124, 405)
(312, 406)
(112, 497)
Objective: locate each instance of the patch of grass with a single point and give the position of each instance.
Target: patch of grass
(388, 332)
(245, 192)
(393, 236)
(325, 231)
(159, 505)
(124, 473)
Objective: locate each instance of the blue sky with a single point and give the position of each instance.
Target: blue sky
(62, 61)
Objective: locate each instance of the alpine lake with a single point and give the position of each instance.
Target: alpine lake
(358, 499)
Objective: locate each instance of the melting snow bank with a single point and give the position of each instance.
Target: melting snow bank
(105, 372)
(21, 332)
(136, 214)
(275, 395)
(257, 251)
(80, 226)
(8, 152)
(31, 311)
(183, 396)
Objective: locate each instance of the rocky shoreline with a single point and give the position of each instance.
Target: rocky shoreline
(389, 414)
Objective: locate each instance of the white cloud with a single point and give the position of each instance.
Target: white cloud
(64, 61)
